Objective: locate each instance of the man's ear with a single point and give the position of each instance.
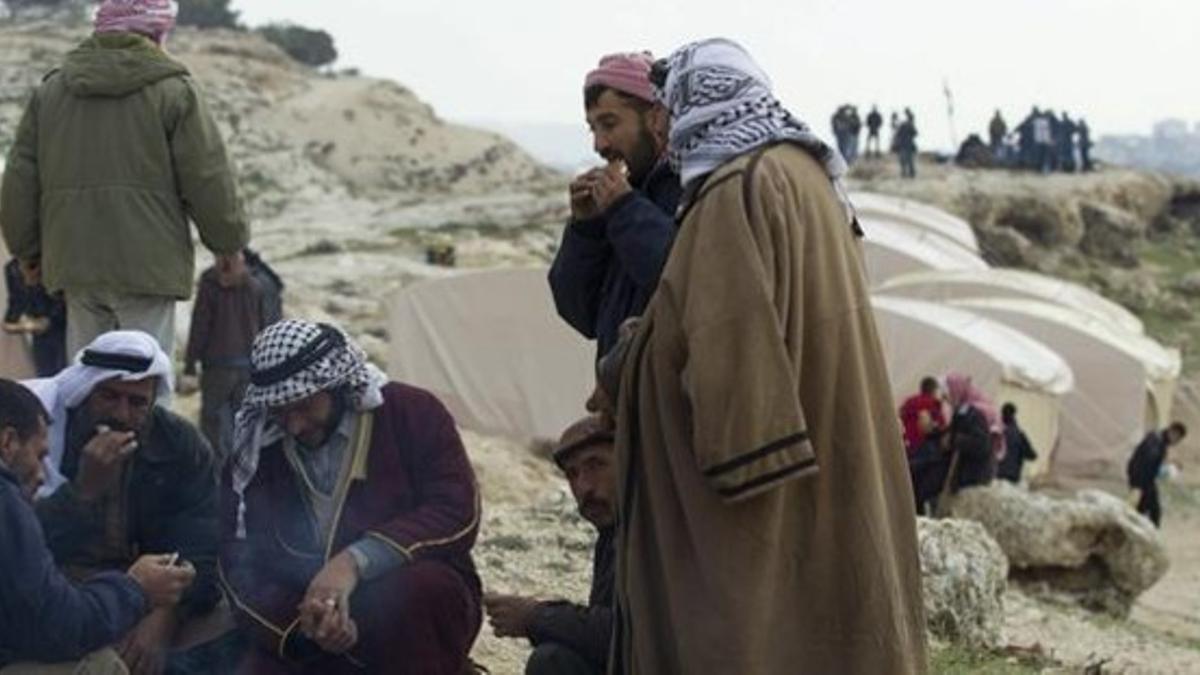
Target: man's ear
(660, 124)
(8, 438)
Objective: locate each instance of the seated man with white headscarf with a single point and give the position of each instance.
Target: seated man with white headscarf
(349, 512)
(126, 477)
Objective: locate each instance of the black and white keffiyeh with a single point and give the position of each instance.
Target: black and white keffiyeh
(290, 361)
(722, 107)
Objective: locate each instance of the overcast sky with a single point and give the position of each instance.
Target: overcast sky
(1121, 64)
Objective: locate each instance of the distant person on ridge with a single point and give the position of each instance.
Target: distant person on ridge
(906, 145)
(115, 152)
(1085, 147)
(874, 124)
(622, 215)
(997, 130)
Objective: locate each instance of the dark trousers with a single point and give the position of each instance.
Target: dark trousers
(419, 620)
(1149, 505)
(908, 166)
(50, 352)
(221, 392)
(551, 658)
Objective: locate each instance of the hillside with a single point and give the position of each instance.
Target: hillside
(338, 171)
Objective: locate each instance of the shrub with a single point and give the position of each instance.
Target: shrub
(312, 47)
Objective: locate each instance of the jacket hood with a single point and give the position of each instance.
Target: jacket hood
(117, 64)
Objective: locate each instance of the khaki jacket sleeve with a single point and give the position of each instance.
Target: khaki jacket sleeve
(749, 431)
(206, 178)
(21, 191)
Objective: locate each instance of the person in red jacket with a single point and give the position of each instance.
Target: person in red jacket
(349, 514)
(922, 414)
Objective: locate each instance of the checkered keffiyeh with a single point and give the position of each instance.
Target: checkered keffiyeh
(290, 361)
(722, 107)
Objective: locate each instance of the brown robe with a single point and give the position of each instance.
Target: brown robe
(767, 521)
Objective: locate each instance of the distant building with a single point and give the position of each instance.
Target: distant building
(1173, 147)
(1172, 129)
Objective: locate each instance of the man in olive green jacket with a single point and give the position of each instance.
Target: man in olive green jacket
(115, 152)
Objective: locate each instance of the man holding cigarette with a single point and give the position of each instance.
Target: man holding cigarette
(622, 215)
(125, 477)
(349, 510)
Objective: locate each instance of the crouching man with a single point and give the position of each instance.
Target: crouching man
(571, 639)
(126, 476)
(44, 617)
(349, 515)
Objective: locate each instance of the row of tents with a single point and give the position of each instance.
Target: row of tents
(1087, 381)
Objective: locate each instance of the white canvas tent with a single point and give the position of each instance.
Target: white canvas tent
(873, 206)
(490, 345)
(944, 285)
(892, 249)
(922, 338)
(1124, 382)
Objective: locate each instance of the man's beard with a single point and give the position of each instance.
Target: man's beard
(642, 160)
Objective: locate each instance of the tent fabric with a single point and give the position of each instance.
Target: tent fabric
(871, 206)
(943, 285)
(1120, 380)
(892, 249)
(922, 338)
(490, 345)
(16, 359)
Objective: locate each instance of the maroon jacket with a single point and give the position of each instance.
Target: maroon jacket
(419, 495)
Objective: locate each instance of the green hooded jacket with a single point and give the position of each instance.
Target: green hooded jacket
(116, 150)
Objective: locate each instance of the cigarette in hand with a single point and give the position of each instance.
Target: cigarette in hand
(172, 559)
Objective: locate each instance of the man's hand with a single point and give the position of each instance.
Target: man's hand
(31, 271)
(325, 610)
(510, 615)
(583, 201)
(162, 582)
(101, 462)
(610, 185)
(144, 650)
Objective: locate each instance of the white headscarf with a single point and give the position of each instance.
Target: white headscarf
(722, 107)
(290, 361)
(125, 355)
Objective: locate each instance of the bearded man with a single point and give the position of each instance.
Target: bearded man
(349, 514)
(622, 215)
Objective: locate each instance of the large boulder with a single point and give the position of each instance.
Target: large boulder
(1093, 546)
(1110, 233)
(964, 577)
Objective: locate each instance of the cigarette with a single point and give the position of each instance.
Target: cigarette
(172, 559)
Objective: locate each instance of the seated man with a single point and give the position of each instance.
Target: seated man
(571, 639)
(126, 477)
(43, 616)
(348, 518)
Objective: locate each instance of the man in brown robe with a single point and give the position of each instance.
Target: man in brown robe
(765, 509)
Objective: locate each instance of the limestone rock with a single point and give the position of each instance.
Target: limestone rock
(1093, 546)
(1110, 233)
(963, 574)
(1044, 221)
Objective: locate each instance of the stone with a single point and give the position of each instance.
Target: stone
(1005, 247)
(1110, 233)
(1041, 219)
(964, 578)
(1093, 547)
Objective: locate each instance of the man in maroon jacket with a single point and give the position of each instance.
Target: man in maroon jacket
(349, 515)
